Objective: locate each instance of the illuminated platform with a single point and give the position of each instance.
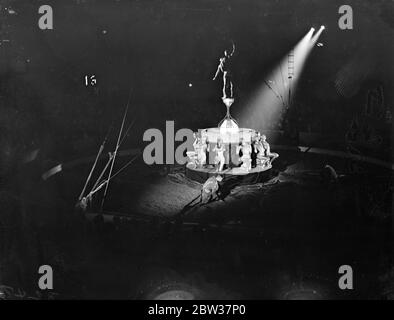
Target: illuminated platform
(232, 137)
(229, 134)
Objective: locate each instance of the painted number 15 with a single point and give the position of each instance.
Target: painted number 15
(90, 80)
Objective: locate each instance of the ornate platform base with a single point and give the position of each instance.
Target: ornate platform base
(255, 175)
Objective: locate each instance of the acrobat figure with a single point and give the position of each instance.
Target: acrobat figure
(271, 155)
(202, 152)
(219, 159)
(224, 67)
(193, 155)
(246, 159)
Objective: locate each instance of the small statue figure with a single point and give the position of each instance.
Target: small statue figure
(219, 159)
(246, 159)
(227, 76)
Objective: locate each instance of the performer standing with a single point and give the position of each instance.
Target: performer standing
(194, 155)
(196, 143)
(246, 150)
(219, 159)
(224, 67)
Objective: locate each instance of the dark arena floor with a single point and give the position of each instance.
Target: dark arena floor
(279, 239)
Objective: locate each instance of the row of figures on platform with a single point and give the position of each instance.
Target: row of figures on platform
(256, 153)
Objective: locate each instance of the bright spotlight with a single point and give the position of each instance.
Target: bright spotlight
(313, 29)
(316, 36)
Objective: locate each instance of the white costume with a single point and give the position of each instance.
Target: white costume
(202, 154)
(219, 160)
(246, 159)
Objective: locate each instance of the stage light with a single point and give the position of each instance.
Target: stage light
(190, 85)
(316, 36)
(313, 29)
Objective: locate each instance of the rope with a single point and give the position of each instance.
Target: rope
(124, 167)
(116, 149)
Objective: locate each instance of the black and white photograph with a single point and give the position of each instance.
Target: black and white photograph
(220, 151)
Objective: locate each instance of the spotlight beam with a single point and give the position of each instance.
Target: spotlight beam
(275, 92)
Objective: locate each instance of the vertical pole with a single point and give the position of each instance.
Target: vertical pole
(116, 151)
